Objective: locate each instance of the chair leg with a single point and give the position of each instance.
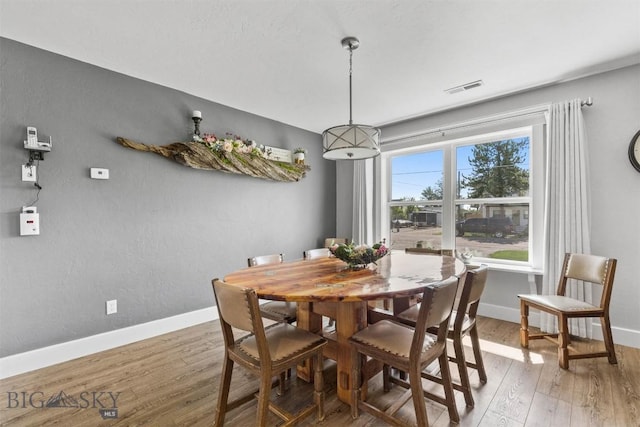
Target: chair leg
(386, 383)
(524, 324)
(477, 354)
(608, 339)
(263, 398)
(281, 385)
(415, 381)
(462, 369)
(563, 342)
(318, 386)
(448, 388)
(223, 393)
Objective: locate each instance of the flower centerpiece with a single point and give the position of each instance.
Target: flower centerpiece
(359, 256)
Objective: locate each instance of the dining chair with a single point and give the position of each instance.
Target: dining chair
(316, 253)
(265, 353)
(461, 324)
(330, 313)
(423, 251)
(409, 350)
(330, 241)
(386, 304)
(587, 268)
(265, 259)
(279, 311)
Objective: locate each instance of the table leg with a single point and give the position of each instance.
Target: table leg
(401, 304)
(311, 322)
(350, 318)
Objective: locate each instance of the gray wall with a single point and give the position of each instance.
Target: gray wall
(615, 185)
(155, 234)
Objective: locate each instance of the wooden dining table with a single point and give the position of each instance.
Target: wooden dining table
(327, 287)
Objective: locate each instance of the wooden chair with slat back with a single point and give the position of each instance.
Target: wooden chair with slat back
(265, 353)
(330, 241)
(461, 324)
(280, 311)
(587, 268)
(265, 259)
(409, 350)
(423, 251)
(327, 310)
(316, 253)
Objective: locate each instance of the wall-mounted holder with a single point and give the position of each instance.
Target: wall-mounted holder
(198, 156)
(37, 149)
(231, 154)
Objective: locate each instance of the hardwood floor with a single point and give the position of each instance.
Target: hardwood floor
(173, 379)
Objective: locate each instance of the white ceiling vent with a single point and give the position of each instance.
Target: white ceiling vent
(466, 86)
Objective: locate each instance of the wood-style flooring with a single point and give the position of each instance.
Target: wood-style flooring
(173, 379)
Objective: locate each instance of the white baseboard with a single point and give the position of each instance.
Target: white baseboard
(622, 336)
(506, 313)
(47, 356)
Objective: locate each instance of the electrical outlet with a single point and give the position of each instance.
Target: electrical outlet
(112, 306)
(29, 173)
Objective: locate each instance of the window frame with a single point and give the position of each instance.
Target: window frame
(535, 130)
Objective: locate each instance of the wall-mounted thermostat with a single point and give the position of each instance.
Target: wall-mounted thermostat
(99, 173)
(29, 221)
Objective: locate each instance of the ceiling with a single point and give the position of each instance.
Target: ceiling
(282, 59)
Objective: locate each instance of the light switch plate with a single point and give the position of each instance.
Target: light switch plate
(29, 173)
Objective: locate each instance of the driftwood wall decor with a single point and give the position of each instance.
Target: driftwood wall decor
(198, 156)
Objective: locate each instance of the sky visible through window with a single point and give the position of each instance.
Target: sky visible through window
(412, 173)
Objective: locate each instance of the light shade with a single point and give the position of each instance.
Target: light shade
(351, 142)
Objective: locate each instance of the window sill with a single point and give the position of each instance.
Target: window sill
(507, 268)
(519, 269)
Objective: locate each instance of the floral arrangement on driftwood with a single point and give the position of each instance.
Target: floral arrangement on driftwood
(231, 154)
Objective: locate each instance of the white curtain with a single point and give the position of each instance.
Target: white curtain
(567, 207)
(362, 224)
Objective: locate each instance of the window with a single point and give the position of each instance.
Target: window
(473, 194)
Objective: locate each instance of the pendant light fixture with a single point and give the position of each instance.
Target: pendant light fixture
(352, 141)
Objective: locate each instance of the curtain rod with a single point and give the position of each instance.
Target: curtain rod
(537, 109)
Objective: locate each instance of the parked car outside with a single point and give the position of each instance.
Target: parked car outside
(402, 223)
(498, 227)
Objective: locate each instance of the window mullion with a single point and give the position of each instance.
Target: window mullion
(448, 206)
